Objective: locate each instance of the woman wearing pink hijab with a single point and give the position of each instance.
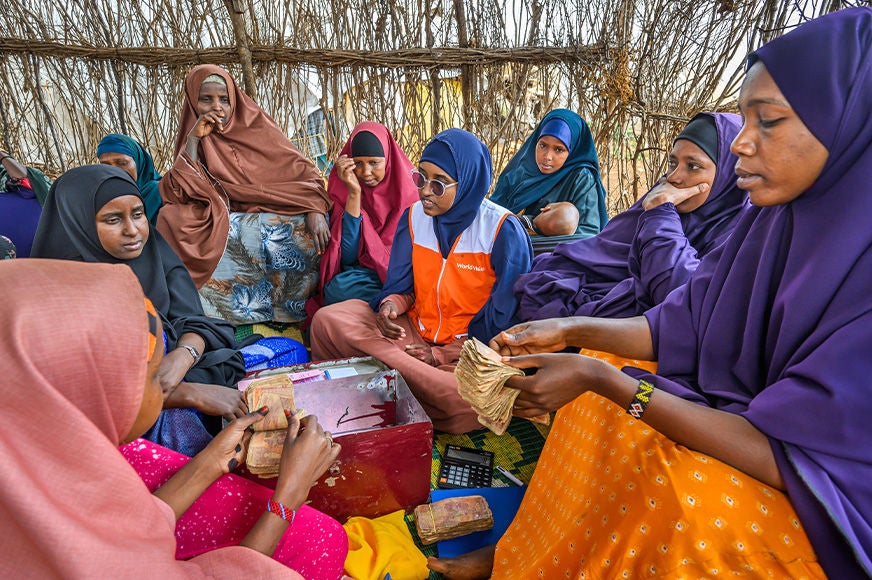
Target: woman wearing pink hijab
(80, 379)
(370, 186)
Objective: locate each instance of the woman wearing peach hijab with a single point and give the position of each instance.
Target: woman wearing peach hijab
(243, 208)
(80, 380)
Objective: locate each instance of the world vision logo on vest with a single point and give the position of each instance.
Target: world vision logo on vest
(470, 267)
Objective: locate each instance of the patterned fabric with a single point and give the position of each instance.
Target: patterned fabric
(315, 546)
(180, 430)
(7, 248)
(273, 352)
(268, 270)
(623, 501)
(269, 329)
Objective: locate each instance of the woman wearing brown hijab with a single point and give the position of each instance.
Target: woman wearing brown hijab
(232, 161)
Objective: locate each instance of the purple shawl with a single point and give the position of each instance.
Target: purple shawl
(615, 272)
(776, 325)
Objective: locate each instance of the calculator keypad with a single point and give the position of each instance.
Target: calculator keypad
(453, 475)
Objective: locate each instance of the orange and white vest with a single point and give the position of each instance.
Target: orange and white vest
(450, 291)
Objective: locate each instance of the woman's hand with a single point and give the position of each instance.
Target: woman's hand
(316, 223)
(532, 337)
(227, 450)
(422, 352)
(216, 400)
(308, 452)
(387, 312)
(344, 167)
(206, 124)
(222, 455)
(559, 379)
(665, 192)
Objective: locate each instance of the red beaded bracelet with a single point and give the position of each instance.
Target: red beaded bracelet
(280, 510)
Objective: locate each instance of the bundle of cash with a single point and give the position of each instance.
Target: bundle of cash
(265, 448)
(481, 377)
(452, 517)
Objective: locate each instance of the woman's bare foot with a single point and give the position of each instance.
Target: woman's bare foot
(476, 565)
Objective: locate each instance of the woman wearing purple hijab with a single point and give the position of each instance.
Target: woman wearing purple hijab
(652, 248)
(750, 449)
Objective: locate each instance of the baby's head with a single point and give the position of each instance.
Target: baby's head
(561, 219)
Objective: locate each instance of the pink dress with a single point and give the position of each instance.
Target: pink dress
(315, 545)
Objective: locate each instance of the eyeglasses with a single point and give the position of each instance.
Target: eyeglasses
(436, 187)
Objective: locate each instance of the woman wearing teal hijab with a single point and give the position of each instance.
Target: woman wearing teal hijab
(556, 166)
(127, 154)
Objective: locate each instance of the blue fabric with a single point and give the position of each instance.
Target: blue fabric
(114, 144)
(439, 153)
(273, 352)
(503, 502)
(521, 183)
(350, 239)
(355, 282)
(465, 158)
(181, 430)
(399, 277)
(19, 217)
(147, 177)
(559, 129)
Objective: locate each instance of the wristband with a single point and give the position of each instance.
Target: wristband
(274, 507)
(5, 157)
(192, 351)
(640, 399)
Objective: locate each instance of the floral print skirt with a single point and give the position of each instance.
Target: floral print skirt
(268, 271)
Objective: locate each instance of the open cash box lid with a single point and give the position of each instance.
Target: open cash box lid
(386, 438)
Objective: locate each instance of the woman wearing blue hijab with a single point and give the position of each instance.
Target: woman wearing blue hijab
(554, 175)
(127, 154)
(454, 260)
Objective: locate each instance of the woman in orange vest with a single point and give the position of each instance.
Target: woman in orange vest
(454, 260)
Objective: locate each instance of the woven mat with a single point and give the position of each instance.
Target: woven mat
(517, 450)
(270, 329)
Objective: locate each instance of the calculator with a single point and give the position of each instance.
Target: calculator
(466, 467)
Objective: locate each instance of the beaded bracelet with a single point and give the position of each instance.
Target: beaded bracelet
(280, 510)
(640, 399)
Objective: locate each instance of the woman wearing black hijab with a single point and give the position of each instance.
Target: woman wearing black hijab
(96, 213)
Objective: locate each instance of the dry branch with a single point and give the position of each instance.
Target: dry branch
(71, 72)
(446, 57)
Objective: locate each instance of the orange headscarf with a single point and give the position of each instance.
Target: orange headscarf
(74, 350)
(250, 166)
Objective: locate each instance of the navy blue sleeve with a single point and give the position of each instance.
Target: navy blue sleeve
(512, 256)
(399, 279)
(350, 239)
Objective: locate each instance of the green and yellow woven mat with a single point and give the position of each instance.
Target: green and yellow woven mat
(289, 330)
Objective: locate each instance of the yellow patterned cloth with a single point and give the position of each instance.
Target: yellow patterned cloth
(619, 362)
(613, 498)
